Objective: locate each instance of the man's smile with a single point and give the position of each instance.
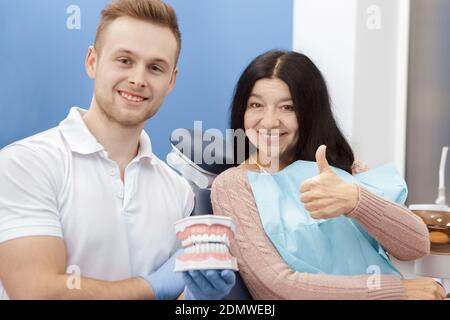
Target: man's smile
(131, 97)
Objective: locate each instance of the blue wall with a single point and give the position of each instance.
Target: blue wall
(42, 61)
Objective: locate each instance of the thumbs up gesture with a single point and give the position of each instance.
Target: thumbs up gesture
(326, 195)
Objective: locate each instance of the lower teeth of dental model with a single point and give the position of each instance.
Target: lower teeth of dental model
(207, 248)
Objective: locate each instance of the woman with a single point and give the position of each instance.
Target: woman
(282, 103)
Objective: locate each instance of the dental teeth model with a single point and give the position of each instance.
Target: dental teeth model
(206, 240)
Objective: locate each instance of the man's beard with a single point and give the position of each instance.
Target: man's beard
(114, 115)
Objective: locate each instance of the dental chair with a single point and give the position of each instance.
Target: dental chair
(188, 158)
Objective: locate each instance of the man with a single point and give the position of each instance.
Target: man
(89, 196)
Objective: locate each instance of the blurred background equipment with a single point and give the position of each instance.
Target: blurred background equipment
(428, 129)
(437, 218)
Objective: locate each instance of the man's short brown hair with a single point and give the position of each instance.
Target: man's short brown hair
(154, 11)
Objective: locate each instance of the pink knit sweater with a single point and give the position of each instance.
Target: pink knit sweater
(267, 276)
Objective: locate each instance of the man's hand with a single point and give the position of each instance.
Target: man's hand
(208, 284)
(35, 268)
(165, 283)
(327, 196)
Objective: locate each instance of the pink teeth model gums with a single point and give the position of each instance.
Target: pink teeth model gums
(206, 242)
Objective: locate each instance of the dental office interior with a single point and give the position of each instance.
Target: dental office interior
(387, 65)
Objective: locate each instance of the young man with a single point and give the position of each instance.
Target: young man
(89, 197)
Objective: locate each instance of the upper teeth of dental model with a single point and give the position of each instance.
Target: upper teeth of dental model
(131, 97)
(205, 238)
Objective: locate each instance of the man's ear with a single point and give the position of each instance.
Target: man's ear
(90, 62)
(173, 80)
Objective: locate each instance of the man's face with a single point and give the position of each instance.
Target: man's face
(134, 70)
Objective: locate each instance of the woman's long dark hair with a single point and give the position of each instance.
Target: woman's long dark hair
(309, 93)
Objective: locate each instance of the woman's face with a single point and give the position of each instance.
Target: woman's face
(270, 121)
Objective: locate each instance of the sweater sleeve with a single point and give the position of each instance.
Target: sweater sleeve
(264, 271)
(399, 231)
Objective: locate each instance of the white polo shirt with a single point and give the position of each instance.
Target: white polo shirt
(61, 183)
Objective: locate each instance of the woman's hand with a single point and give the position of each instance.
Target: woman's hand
(327, 196)
(423, 289)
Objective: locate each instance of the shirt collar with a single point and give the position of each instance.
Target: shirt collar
(145, 148)
(81, 140)
(77, 135)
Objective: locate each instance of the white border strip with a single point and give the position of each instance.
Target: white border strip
(402, 85)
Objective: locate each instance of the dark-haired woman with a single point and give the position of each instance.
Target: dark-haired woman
(308, 225)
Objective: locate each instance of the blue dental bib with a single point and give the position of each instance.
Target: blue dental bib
(337, 246)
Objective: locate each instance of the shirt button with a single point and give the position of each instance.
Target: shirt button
(112, 172)
(120, 194)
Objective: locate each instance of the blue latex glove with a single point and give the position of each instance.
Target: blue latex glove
(166, 284)
(208, 284)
